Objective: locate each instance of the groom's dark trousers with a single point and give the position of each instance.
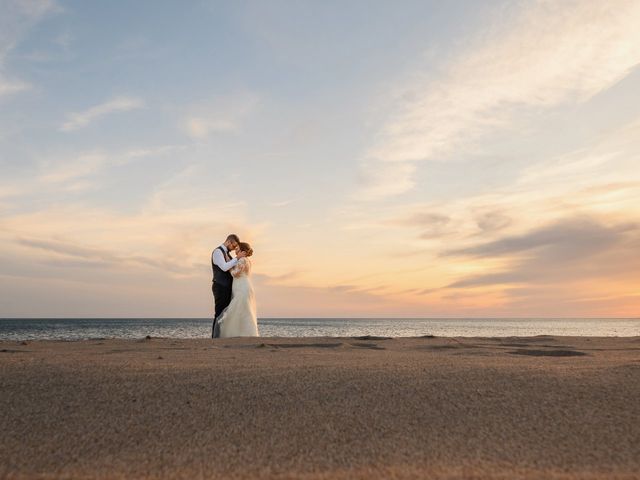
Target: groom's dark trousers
(222, 299)
(221, 287)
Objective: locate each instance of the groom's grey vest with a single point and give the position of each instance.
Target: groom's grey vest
(220, 276)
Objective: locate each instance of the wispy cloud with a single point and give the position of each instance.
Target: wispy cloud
(576, 260)
(103, 257)
(221, 114)
(421, 219)
(79, 120)
(77, 172)
(202, 127)
(431, 224)
(567, 239)
(17, 18)
(8, 87)
(177, 241)
(89, 164)
(382, 179)
(561, 233)
(599, 178)
(538, 57)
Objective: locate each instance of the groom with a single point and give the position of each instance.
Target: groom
(221, 263)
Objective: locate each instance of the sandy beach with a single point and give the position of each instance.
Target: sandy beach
(320, 408)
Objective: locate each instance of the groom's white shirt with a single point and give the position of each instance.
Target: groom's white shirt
(218, 259)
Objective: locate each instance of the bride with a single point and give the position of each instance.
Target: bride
(239, 318)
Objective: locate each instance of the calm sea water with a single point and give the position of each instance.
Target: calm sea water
(85, 328)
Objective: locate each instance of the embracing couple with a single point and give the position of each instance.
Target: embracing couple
(233, 295)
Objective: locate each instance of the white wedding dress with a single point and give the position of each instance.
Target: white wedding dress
(239, 318)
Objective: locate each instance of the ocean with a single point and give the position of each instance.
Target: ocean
(94, 328)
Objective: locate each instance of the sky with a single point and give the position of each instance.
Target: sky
(383, 158)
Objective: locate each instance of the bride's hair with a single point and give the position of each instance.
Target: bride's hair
(245, 247)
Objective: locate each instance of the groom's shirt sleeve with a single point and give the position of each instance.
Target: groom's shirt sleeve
(218, 259)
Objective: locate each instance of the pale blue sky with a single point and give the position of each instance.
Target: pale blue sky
(135, 135)
(310, 72)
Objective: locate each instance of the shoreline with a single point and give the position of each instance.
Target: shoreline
(321, 407)
(89, 329)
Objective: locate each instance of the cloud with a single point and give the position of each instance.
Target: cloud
(88, 164)
(99, 256)
(79, 120)
(600, 178)
(199, 127)
(75, 173)
(432, 224)
(176, 241)
(281, 300)
(8, 87)
(380, 179)
(219, 115)
(562, 234)
(492, 221)
(80, 166)
(282, 203)
(572, 237)
(18, 17)
(422, 219)
(537, 57)
(574, 249)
